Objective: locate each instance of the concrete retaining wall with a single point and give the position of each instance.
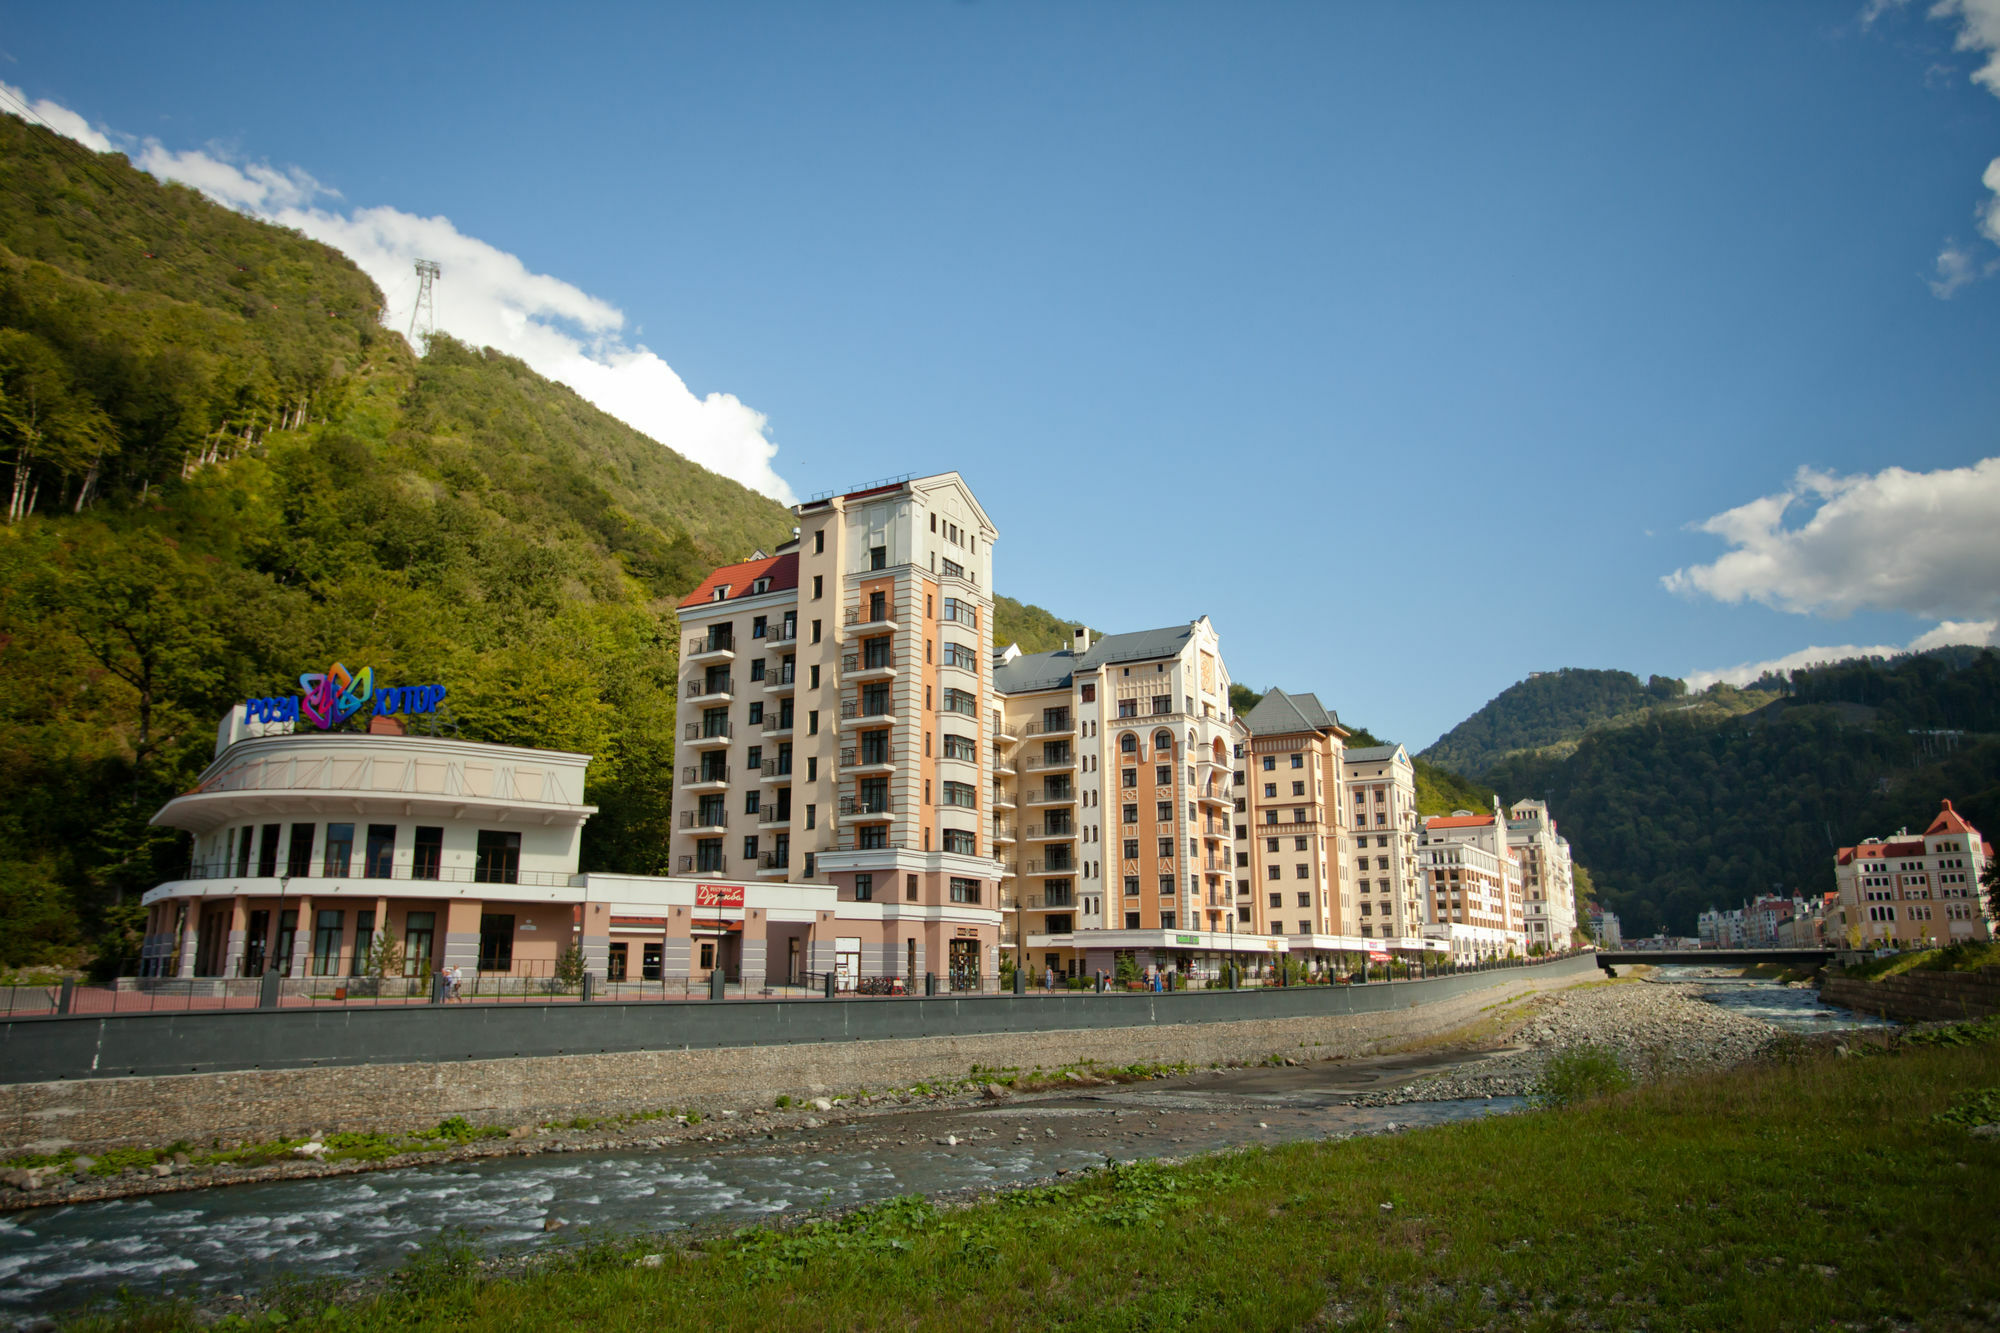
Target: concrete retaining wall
(505, 1088)
(1919, 997)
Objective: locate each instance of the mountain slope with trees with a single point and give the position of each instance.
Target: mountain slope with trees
(224, 473)
(1683, 811)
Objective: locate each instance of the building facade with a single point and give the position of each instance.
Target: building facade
(1548, 880)
(1911, 891)
(1381, 799)
(1473, 881)
(1292, 848)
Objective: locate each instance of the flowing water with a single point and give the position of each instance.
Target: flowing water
(235, 1238)
(1793, 1008)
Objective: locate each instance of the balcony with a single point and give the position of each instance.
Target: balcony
(782, 680)
(701, 865)
(861, 619)
(1062, 865)
(1041, 763)
(708, 648)
(1003, 799)
(856, 712)
(696, 776)
(1003, 832)
(880, 758)
(773, 863)
(1064, 795)
(1002, 728)
(775, 771)
(781, 635)
(1048, 902)
(1053, 831)
(774, 814)
(866, 807)
(1062, 726)
(1218, 797)
(1003, 765)
(706, 735)
(720, 690)
(704, 821)
(867, 666)
(1010, 870)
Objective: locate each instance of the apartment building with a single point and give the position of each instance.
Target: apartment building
(1291, 845)
(1381, 788)
(1547, 877)
(835, 719)
(1909, 891)
(1473, 880)
(1112, 802)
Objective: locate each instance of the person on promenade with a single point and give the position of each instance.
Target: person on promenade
(1048, 978)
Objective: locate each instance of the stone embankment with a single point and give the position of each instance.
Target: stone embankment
(1919, 997)
(1658, 1030)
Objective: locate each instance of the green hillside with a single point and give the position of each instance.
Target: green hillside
(1036, 630)
(1553, 709)
(229, 474)
(1685, 810)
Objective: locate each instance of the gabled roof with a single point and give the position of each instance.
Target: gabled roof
(1280, 714)
(782, 570)
(1949, 821)
(1053, 670)
(1457, 821)
(1031, 672)
(1370, 754)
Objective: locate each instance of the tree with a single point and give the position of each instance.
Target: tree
(1989, 879)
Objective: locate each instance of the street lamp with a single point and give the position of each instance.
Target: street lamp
(271, 964)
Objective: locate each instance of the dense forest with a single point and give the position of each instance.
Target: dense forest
(224, 472)
(1684, 811)
(1553, 709)
(1036, 630)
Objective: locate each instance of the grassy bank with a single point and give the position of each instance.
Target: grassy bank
(1810, 1193)
(1968, 956)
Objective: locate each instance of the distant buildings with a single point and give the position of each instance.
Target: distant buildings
(1911, 890)
(1382, 804)
(1605, 928)
(1472, 879)
(1548, 880)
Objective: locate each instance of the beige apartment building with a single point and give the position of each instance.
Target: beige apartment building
(836, 724)
(1381, 785)
(1548, 879)
(1473, 880)
(1112, 803)
(1910, 891)
(1291, 848)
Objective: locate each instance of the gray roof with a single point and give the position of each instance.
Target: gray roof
(1050, 671)
(1279, 714)
(1370, 753)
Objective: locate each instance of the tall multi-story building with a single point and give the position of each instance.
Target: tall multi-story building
(1473, 880)
(1382, 810)
(1112, 801)
(1291, 847)
(1914, 890)
(836, 722)
(1547, 876)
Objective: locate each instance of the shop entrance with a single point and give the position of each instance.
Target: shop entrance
(964, 956)
(719, 951)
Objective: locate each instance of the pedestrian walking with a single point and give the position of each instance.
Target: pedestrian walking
(1048, 978)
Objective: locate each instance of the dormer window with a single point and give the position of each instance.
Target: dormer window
(722, 592)
(760, 585)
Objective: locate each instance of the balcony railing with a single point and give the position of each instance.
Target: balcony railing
(776, 768)
(1052, 866)
(422, 873)
(779, 722)
(1003, 830)
(853, 708)
(1037, 763)
(1059, 727)
(866, 805)
(774, 814)
(997, 722)
(864, 757)
(1062, 795)
(696, 689)
(710, 643)
(1042, 902)
(865, 615)
(774, 860)
(704, 819)
(780, 635)
(703, 865)
(782, 678)
(706, 731)
(703, 773)
(1052, 829)
(853, 662)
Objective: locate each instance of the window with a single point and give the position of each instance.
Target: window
(1271, 791)
(299, 855)
(812, 722)
(327, 927)
(364, 941)
(380, 862)
(757, 669)
(815, 631)
(1163, 703)
(1129, 778)
(961, 701)
(1131, 921)
(1167, 920)
(958, 655)
(1163, 743)
(1166, 848)
(864, 888)
(1298, 761)
(1298, 788)
(1163, 775)
(1306, 900)
(339, 848)
(418, 929)
(961, 794)
(819, 585)
(961, 842)
(953, 569)
(878, 557)
(267, 851)
(498, 858)
(809, 865)
(960, 747)
(1089, 693)
(1128, 707)
(496, 942)
(962, 890)
(1166, 886)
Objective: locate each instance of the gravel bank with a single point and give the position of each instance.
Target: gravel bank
(1658, 1030)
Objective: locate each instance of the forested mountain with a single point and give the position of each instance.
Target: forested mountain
(1036, 630)
(1553, 710)
(1680, 811)
(224, 472)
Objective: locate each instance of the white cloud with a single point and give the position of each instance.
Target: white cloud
(1978, 32)
(1957, 265)
(486, 297)
(1981, 633)
(56, 116)
(1924, 543)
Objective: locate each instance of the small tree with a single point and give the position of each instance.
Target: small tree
(569, 967)
(1126, 968)
(384, 957)
(1989, 880)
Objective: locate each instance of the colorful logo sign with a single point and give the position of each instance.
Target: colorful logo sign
(718, 895)
(333, 696)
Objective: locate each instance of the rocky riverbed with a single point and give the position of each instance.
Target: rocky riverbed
(1658, 1030)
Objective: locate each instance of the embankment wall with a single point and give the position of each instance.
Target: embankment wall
(999, 1032)
(1919, 997)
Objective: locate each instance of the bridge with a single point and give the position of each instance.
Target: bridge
(1611, 959)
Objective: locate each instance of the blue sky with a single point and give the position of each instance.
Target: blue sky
(1412, 343)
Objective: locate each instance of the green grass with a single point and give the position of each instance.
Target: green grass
(1964, 957)
(343, 1147)
(1813, 1192)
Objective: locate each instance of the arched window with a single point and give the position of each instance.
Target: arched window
(1128, 744)
(1163, 741)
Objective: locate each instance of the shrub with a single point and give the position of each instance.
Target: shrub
(1578, 1075)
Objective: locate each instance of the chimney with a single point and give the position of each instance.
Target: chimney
(1080, 640)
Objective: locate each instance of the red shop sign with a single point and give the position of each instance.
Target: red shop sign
(718, 895)
(1378, 957)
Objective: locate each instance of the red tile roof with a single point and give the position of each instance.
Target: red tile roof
(782, 570)
(1458, 821)
(1949, 821)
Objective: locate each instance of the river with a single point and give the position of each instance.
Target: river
(207, 1242)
